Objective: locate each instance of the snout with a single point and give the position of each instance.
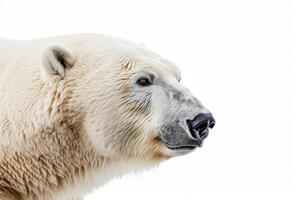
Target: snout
(200, 125)
(176, 137)
(186, 122)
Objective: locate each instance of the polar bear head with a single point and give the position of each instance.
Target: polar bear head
(132, 102)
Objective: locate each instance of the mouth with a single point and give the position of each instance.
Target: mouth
(183, 147)
(182, 144)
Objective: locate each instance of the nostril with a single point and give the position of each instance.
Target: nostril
(193, 132)
(212, 124)
(204, 134)
(201, 127)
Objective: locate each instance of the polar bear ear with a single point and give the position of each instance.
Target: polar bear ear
(55, 60)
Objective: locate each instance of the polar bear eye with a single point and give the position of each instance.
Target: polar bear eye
(144, 81)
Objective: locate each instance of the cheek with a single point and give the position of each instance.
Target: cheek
(140, 105)
(160, 107)
(147, 148)
(139, 144)
(98, 139)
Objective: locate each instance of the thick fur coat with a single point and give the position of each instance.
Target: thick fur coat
(71, 117)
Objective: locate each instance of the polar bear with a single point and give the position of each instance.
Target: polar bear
(78, 110)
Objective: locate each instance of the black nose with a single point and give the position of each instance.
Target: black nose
(199, 126)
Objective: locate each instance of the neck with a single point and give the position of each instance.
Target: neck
(49, 162)
(59, 165)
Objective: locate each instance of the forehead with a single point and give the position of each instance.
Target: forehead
(157, 66)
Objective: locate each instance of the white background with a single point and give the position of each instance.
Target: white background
(235, 56)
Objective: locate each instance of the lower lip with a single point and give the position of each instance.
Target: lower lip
(182, 148)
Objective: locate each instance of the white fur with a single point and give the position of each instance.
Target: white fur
(46, 103)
